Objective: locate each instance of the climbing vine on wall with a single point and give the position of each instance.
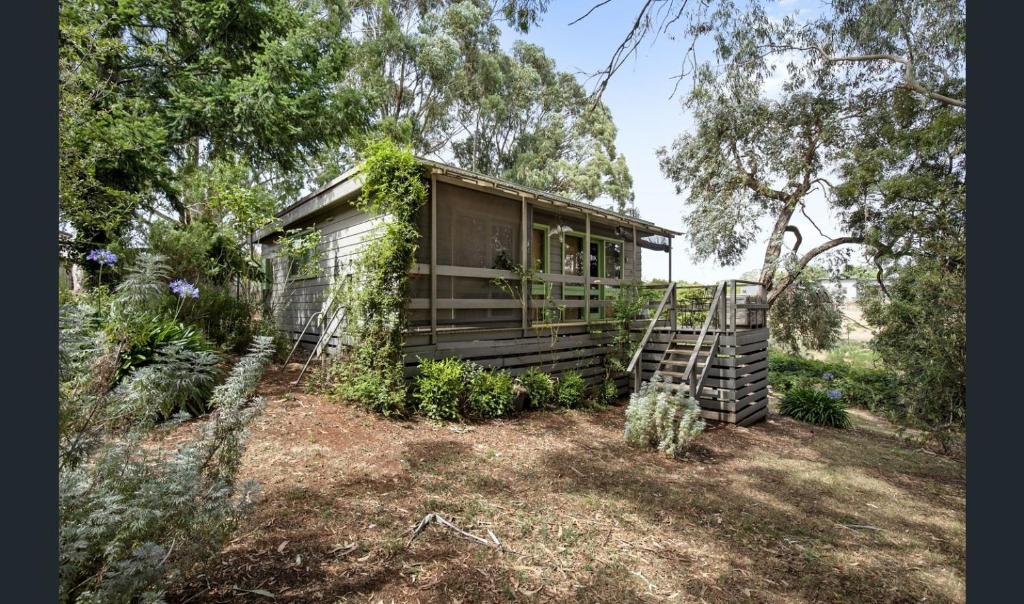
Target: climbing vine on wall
(393, 186)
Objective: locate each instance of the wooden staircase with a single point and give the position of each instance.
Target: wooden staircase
(709, 363)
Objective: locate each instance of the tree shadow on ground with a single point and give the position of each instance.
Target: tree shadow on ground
(775, 524)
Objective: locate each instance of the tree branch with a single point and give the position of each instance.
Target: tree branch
(802, 264)
(909, 81)
(799, 238)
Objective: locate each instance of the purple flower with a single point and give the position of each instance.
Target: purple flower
(834, 394)
(184, 289)
(827, 376)
(102, 257)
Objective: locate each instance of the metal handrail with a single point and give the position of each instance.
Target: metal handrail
(299, 339)
(715, 301)
(325, 337)
(669, 293)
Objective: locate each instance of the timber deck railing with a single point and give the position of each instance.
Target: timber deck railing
(635, 365)
(707, 310)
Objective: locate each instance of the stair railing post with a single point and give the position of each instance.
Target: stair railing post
(735, 302)
(721, 311)
(672, 312)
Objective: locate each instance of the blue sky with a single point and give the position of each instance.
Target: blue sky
(647, 118)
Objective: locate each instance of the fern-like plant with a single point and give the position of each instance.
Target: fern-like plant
(132, 517)
(816, 406)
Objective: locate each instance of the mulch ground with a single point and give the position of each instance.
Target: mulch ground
(778, 512)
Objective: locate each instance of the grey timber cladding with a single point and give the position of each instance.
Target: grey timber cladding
(345, 232)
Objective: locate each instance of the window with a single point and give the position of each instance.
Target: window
(303, 267)
(572, 257)
(613, 259)
(539, 249)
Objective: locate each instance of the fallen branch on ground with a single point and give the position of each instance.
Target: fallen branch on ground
(867, 527)
(441, 520)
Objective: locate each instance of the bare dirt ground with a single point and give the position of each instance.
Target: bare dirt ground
(779, 512)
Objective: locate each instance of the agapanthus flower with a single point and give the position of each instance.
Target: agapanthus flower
(184, 289)
(834, 394)
(827, 376)
(102, 257)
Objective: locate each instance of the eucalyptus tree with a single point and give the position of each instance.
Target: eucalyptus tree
(436, 76)
(874, 93)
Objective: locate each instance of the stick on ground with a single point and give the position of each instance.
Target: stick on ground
(435, 518)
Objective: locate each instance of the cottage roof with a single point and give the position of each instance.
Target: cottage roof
(345, 186)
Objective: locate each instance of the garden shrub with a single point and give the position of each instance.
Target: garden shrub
(207, 256)
(490, 393)
(816, 406)
(876, 389)
(177, 379)
(607, 392)
(133, 517)
(154, 335)
(540, 388)
(662, 419)
(441, 388)
(571, 390)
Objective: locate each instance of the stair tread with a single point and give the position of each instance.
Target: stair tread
(683, 362)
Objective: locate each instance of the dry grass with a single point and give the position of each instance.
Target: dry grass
(780, 512)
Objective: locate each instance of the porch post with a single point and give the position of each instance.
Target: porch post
(433, 258)
(672, 312)
(636, 258)
(525, 263)
(586, 270)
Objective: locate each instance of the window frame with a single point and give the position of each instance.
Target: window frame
(541, 289)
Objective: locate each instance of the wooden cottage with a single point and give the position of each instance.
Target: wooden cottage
(467, 298)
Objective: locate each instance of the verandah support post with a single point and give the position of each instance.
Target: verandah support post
(636, 259)
(524, 262)
(672, 312)
(586, 270)
(433, 258)
(636, 279)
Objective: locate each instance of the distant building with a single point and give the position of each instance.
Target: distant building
(842, 288)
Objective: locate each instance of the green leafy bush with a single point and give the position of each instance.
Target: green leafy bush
(607, 393)
(876, 389)
(441, 388)
(177, 379)
(816, 406)
(540, 388)
(571, 390)
(490, 393)
(661, 419)
(155, 335)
